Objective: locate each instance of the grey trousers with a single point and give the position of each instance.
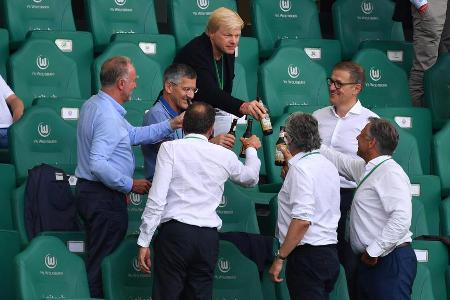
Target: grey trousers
(427, 32)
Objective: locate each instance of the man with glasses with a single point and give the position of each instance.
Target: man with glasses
(339, 125)
(180, 86)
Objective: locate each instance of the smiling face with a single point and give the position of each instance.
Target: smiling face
(365, 143)
(225, 40)
(345, 95)
(179, 95)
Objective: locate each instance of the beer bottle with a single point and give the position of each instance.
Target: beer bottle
(247, 134)
(279, 157)
(233, 127)
(266, 124)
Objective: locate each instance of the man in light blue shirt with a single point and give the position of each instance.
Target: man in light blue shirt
(106, 163)
(180, 83)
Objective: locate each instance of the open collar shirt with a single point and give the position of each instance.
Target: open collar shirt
(310, 192)
(104, 140)
(381, 211)
(340, 133)
(189, 182)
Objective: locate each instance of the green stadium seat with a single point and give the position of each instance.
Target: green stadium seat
(135, 209)
(47, 270)
(437, 90)
(289, 77)
(427, 190)
(106, 18)
(386, 83)
(441, 159)
(77, 45)
(417, 121)
(419, 225)
(422, 288)
(158, 47)
(149, 75)
(235, 276)
(326, 53)
(4, 52)
(275, 20)
(22, 16)
(41, 136)
(188, 19)
(399, 52)
(355, 21)
(7, 185)
(237, 211)
(74, 240)
(39, 69)
(10, 248)
(407, 153)
(246, 69)
(445, 216)
(340, 291)
(67, 108)
(434, 255)
(121, 274)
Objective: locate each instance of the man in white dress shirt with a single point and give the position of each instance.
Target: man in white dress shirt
(339, 125)
(187, 188)
(380, 215)
(308, 215)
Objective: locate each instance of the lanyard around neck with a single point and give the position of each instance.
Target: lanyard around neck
(308, 154)
(219, 78)
(371, 171)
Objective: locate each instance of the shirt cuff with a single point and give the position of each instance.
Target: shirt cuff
(128, 185)
(143, 240)
(419, 3)
(374, 250)
(168, 127)
(250, 151)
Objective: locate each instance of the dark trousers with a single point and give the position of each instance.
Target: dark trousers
(105, 216)
(184, 261)
(312, 271)
(391, 278)
(347, 258)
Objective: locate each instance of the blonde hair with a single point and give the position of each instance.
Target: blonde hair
(223, 17)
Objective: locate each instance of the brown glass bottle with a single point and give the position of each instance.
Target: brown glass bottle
(247, 134)
(279, 157)
(233, 127)
(266, 124)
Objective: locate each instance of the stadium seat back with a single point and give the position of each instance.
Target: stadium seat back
(399, 52)
(10, 248)
(444, 212)
(407, 154)
(289, 77)
(326, 53)
(437, 90)
(39, 69)
(22, 16)
(237, 211)
(386, 83)
(340, 291)
(417, 121)
(67, 108)
(355, 21)
(275, 20)
(235, 276)
(46, 269)
(441, 149)
(246, 69)
(188, 19)
(7, 185)
(419, 225)
(77, 45)
(4, 51)
(148, 72)
(434, 255)
(121, 275)
(106, 18)
(422, 288)
(41, 136)
(158, 47)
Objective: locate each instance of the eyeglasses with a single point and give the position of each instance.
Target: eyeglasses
(338, 84)
(187, 89)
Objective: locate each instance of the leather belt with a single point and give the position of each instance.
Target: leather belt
(403, 245)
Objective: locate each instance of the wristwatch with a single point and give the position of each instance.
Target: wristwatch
(278, 255)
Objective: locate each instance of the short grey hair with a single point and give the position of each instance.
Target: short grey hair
(303, 131)
(385, 134)
(114, 69)
(175, 72)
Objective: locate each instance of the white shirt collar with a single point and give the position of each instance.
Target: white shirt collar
(377, 160)
(196, 136)
(355, 110)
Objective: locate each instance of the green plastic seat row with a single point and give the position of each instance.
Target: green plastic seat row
(7, 185)
(441, 149)
(10, 248)
(4, 51)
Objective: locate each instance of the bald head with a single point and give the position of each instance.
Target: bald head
(199, 118)
(113, 69)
